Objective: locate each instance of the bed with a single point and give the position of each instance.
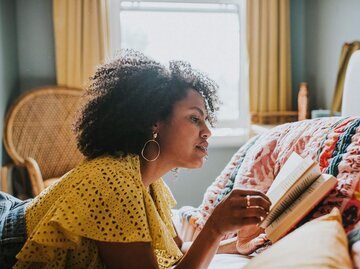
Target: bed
(333, 227)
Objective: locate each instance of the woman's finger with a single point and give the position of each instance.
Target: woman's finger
(251, 201)
(250, 221)
(256, 200)
(257, 212)
(244, 192)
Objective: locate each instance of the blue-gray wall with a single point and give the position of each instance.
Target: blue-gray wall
(297, 29)
(26, 50)
(35, 43)
(319, 29)
(8, 59)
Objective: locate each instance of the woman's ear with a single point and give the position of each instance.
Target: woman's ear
(156, 127)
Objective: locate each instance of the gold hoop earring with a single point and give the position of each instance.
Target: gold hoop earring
(146, 143)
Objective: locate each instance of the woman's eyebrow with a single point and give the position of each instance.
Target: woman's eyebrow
(199, 110)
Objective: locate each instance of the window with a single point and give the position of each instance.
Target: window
(205, 34)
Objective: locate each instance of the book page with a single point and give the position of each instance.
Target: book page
(289, 166)
(296, 189)
(291, 171)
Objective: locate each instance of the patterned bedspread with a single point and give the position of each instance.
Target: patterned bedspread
(334, 142)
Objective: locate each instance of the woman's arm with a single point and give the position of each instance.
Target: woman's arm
(230, 215)
(127, 255)
(227, 246)
(233, 245)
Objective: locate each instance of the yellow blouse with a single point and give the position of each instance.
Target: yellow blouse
(102, 199)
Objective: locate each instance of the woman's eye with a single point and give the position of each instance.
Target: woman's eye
(195, 119)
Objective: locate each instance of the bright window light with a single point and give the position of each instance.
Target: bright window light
(206, 35)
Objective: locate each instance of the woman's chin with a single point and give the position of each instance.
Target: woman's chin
(197, 164)
(193, 163)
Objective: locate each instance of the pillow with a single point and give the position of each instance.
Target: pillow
(320, 243)
(354, 245)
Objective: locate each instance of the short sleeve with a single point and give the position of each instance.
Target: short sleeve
(107, 206)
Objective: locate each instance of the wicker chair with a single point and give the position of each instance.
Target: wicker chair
(38, 136)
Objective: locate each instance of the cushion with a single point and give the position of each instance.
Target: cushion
(320, 243)
(354, 245)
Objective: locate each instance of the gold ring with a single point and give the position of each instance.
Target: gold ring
(248, 201)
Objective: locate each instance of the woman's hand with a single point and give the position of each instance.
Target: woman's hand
(248, 245)
(242, 207)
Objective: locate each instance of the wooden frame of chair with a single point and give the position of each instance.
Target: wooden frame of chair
(17, 142)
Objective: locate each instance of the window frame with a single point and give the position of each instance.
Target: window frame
(225, 129)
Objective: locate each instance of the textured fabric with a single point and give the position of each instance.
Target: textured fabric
(82, 42)
(334, 142)
(268, 29)
(321, 243)
(12, 228)
(102, 199)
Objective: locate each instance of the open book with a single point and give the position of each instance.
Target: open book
(296, 190)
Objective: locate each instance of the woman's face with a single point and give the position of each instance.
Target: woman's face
(183, 138)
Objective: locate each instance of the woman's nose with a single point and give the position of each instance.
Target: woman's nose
(205, 133)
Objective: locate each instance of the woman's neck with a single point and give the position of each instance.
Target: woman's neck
(151, 171)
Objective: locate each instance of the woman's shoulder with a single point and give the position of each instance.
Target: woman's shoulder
(99, 174)
(108, 166)
(106, 171)
(106, 162)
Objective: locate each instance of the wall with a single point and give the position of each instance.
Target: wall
(319, 29)
(35, 44)
(26, 50)
(8, 60)
(297, 29)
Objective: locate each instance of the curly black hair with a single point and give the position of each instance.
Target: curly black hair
(128, 96)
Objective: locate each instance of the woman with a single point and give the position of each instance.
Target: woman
(113, 210)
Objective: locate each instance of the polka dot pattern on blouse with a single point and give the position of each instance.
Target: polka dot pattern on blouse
(102, 199)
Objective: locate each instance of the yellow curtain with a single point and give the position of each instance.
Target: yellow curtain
(81, 39)
(268, 37)
(347, 50)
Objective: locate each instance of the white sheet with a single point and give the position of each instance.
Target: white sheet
(228, 261)
(220, 261)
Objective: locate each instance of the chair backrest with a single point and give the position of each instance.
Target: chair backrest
(38, 125)
(351, 95)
